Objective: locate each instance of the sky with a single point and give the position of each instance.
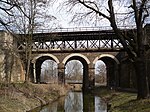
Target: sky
(64, 18)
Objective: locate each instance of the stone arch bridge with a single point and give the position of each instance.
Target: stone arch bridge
(87, 46)
(86, 59)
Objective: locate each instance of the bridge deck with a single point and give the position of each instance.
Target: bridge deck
(104, 40)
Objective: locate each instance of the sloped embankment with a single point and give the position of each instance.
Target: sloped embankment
(23, 97)
(122, 101)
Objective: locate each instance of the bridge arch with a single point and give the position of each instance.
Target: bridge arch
(106, 55)
(75, 55)
(37, 65)
(47, 55)
(85, 62)
(112, 65)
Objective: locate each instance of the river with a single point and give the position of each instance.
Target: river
(75, 102)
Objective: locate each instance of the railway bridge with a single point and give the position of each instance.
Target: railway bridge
(86, 45)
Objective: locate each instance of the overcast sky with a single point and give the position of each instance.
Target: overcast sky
(64, 18)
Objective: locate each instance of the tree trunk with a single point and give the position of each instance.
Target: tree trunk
(142, 79)
(28, 56)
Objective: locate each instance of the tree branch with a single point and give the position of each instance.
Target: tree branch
(95, 10)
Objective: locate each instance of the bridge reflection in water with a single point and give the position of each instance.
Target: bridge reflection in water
(75, 102)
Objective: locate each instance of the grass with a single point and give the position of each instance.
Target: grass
(123, 101)
(127, 102)
(26, 96)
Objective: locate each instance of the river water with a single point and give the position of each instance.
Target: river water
(75, 102)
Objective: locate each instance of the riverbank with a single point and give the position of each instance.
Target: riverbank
(26, 96)
(123, 101)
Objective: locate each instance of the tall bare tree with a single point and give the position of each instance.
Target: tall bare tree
(26, 17)
(139, 10)
(32, 17)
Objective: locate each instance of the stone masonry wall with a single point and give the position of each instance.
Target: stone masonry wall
(11, 69)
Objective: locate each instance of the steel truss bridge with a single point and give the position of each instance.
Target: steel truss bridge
(75, 41)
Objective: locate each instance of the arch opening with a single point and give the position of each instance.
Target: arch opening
(82, 69)
(111, 70)
(49, 72)
(45, 70)
(74, 72)
(100, 73)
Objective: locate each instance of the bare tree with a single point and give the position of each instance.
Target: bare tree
(139, 10)
(101, 68)
(6, 45)
(74, 70)
(49, 69)
(31, 16)
(26, 17)
(100, 72)
(6, 7)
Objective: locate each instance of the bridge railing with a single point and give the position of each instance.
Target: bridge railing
(79, 29)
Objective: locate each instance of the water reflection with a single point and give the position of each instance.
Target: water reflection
(76, 102)
(73, 102)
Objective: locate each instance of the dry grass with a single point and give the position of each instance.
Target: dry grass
(23, 97)
(127, 102)
(123, 101)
